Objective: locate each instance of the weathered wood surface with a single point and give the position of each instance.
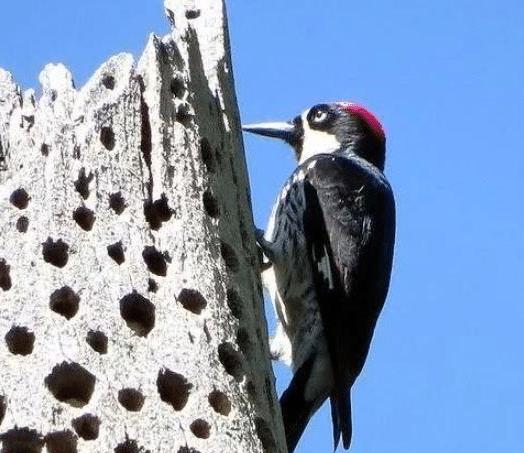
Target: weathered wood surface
(130, 305)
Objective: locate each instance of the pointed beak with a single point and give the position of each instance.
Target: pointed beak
(281, 130)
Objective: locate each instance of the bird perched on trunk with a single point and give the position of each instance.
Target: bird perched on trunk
(329, 249)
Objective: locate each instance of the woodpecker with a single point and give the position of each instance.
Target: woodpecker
(328, 251)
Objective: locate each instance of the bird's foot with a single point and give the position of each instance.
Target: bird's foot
(266, 247)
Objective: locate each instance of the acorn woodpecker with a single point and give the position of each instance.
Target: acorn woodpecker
(328, 251)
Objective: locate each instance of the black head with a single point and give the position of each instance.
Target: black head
(340, 127)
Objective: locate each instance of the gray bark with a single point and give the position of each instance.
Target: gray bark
(130, 301)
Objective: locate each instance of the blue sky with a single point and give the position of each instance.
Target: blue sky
(446, 369)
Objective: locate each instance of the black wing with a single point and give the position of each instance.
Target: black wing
(349, 224)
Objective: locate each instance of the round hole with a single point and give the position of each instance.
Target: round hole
(22, 224)
(19, 198)
(219, 402)
(65, 302)
(71, 383)
(87, 426)
(192, 301)
(173, 388)
(55, 252)
(107, 137)
(138, 313)
(84, 217)
(98, 341)
(20, 340)
(131, 399)
(200, 428)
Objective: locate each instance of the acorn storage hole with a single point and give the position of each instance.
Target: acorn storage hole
(234, 302)
(97, 340)
(152, 285)
(19, 198)
(265, 435)
(231, 360)
(65, 302)
(20, 340)
(131, 399)
(243, 341)
(157, 212)
(55, 252)
(192, 301)
(117, 203)
(138, 313)
(44, 149)
(109, 82)
(219, 402)
(210, 204)
(87, 426)
(82, 183)
(173, 388)
(183, 115)
(186, 449)
(200, 428)
(22, 224)
(107, 137)
(21, 440)
(116, 252)
(229, 256)
(129, 446)
(5, 276)
(177, 87)
(192, 14)
(84, 217)
(61, 442)
(3, 408)
(207, 155)
(155, 261)
(71, 383)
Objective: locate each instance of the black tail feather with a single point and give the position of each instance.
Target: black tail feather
(296, 411)
(341, 419)
(335, 422)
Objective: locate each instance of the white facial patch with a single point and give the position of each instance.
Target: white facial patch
(316, 142)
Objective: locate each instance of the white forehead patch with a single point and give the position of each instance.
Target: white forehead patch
(316, 142)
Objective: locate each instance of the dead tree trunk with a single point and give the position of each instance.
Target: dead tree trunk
(130, 303)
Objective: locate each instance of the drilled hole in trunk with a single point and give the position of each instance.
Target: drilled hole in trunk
(173, 388)
(155, 261)
(61, 442)
(65, 302)
(116, 252)
(20, 340)
(19, 198)
(5, 276)
(55, 252)
(138, 313)
(200, 428)
(84, 217)
(131, 399)
(219, 402)
(21, 440)
(71, 383)
(230, 257)
(22, 224)
(107, 137)
(98, 341)
(117, 203)
(231, 360)
(87, 426)
(192, 301)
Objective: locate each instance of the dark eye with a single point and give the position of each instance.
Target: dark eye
(319, 116)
